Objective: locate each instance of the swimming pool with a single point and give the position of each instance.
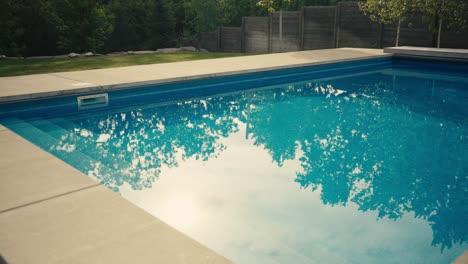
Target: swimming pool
(357, 162)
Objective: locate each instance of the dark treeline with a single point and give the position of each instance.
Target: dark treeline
(51, 27)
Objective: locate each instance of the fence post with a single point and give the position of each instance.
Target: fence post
(270, 32)
(242, 29)
(281, 31)
(218, 46)
(301, 29)
(336, 30)
(381, 32)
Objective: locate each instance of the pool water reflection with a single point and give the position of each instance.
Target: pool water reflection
(358, 169)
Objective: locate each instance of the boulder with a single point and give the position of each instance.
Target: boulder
(61, 56)
(40, 57)
(203, 50)
(88, 54)
(189, 48)
(144, 52)
(117, 53)
(168, 50)
(130, 52)
(73, 55)
(2, 57)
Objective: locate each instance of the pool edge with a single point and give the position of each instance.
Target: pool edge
(101, 80)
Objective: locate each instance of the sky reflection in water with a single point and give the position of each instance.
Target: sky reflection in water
(350, 170)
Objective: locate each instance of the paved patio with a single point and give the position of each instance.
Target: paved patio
(52, 213)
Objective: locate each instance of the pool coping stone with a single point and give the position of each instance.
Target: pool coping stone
(427, 52)
(28, 87)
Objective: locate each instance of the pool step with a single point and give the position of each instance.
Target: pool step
(66, 131)
(111, 171)
(50, 144)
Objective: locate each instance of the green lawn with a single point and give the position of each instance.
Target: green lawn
(23, 67)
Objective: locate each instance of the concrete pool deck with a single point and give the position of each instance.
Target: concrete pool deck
(68, 83)
(436, 53)
(52, 213)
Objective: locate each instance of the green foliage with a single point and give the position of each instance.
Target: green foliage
(82, 26)
(26, 27)
(451, 12)
(162, 25)
(448, 13)
(204, 15)
(291, 5)
(388, 11)
(236, 9)
(51, 27)
(40, 27)
(273, 5)
(207, 15)
(142, 24)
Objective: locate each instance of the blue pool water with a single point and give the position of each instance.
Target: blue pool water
(361, 162)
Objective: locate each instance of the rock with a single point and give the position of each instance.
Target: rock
(130, 52)
(2, 57)
(144, 52)
(117, 53)
(91, 54)
(14, 58)
(168, 50)
(40, 58)
(61, 56)
(73, 55)
(203, 50)
(189, 48)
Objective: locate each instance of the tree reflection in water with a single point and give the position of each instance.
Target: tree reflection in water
(366, 144)
(368, 147)
(132, 146)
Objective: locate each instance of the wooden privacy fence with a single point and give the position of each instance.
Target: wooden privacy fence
(322, 27)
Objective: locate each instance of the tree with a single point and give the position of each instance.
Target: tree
(204, 15)
(82, 25)
(449, 13)
(142, 24)
(291, 5)
(161, 24)
(274, 5)
(388, 12)
(28, 28)
(236, 9)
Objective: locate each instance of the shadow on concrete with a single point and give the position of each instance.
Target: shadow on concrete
(2, 260)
